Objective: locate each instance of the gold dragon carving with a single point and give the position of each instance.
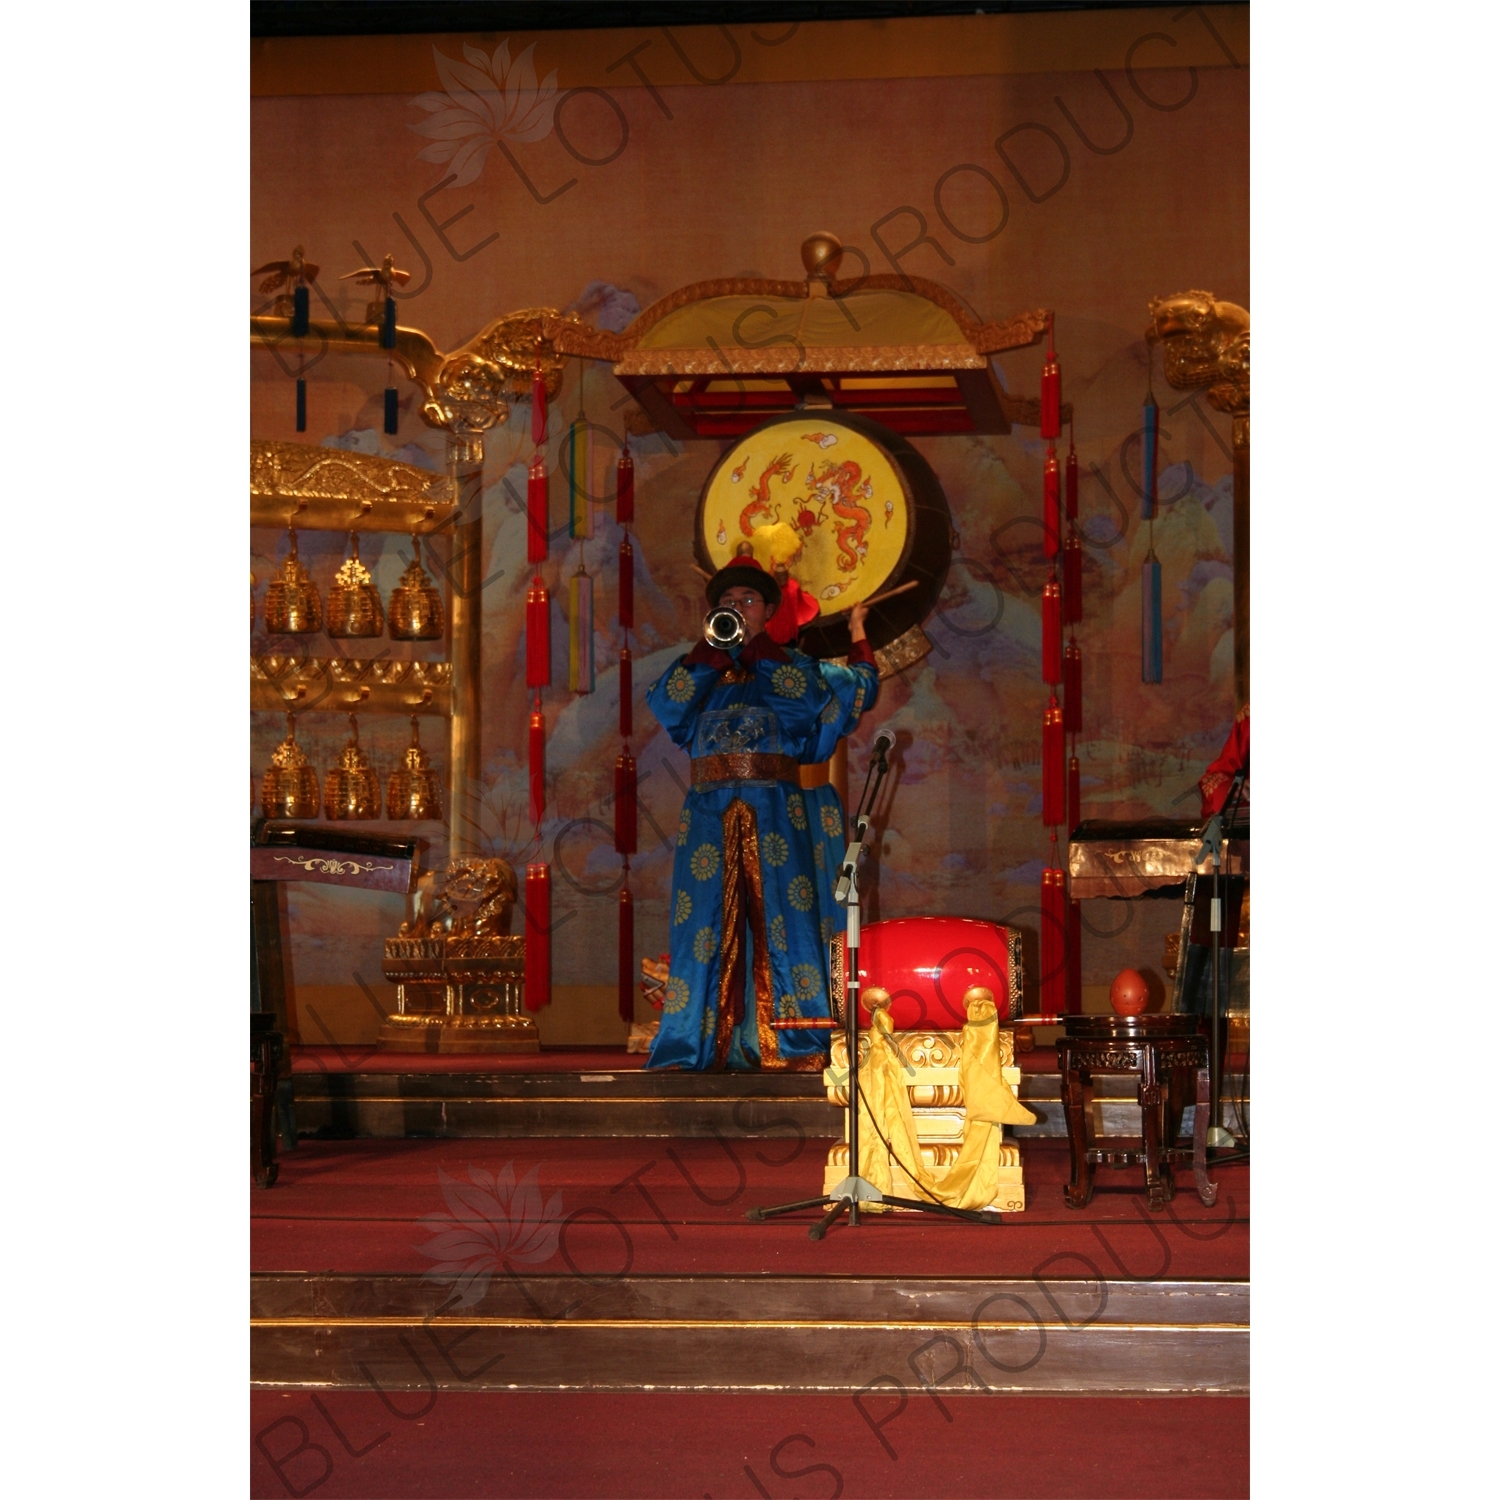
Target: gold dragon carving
(1205, 342)
(476, 900)
(299, 471)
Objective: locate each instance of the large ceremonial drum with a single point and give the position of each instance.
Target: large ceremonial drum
(848, 507)
(927, 963)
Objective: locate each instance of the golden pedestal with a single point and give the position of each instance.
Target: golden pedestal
(458, 994)
(930, 1060)
(459, 975)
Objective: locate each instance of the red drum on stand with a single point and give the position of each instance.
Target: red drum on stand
(927, 963)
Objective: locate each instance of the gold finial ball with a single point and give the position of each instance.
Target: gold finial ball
(821, 253)
(979, 1002)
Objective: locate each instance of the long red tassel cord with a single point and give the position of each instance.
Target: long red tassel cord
(1062, 604)
(538, 898)
(625, 778)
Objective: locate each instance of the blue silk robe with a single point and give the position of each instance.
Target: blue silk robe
(752, 906)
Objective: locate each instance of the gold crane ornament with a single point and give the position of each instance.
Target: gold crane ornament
(385, 276)
(354, 610)
(286, 273)
(289, 789)
(292, 603)
(412, 793)
(351, 790)
(416, 612)
(290, 279)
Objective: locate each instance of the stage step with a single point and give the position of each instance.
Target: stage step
(948, 1335)
(635, 1103)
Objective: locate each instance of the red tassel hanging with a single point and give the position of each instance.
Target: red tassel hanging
(538, 408)
(625, 486)
(1073, 992)
(627, 950)
(627, 696)
(1070, 483)
(1053, 945)
(1072, 580)
(1073, 689)
(538, 636)
(1052, 632)
(537, 756)
(1075, 800)
(1051, 506)
(1054, 809)
(538, 936)
(1051, 393)
(625, 821)
(537, 531)
(627, 585)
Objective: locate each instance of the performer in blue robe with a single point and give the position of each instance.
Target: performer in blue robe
(750, 896)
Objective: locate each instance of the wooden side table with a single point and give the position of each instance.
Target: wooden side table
(1169, 1056)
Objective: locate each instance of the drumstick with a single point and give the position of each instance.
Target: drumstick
(891, 593)
(700, 572)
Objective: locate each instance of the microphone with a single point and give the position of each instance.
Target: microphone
(884, 741)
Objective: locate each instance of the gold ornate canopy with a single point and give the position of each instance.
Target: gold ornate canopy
(717, 358)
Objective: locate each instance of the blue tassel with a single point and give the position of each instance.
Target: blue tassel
(1151, 619)
(301, 405)
(301, 311)
(1149, 429)
(388, 328)
(391, 413)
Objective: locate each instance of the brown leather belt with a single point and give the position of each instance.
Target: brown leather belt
(752, 767)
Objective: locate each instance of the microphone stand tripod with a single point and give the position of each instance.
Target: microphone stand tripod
(1214, 835)
(854, 1189)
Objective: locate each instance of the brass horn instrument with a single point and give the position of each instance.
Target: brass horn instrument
(724, 627)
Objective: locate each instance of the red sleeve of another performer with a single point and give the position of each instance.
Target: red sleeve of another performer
(1215, 782)
(860, 652)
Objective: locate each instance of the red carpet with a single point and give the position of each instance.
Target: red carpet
(451, 1443)
(354, 1205)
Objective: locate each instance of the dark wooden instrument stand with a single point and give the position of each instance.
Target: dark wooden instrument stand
(1169, 1056)
(266, 1051)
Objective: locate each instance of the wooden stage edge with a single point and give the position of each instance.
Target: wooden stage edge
(944, 1336)
(602, 1103)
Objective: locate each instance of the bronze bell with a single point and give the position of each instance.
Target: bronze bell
(416, 606)
(354, 601)
(413, 790)
(292, 603)
(289, 789)
(351, 790)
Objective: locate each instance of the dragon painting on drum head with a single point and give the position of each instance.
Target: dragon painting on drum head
(845, 502)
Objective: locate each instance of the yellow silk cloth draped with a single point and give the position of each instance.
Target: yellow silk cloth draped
(989, 1102)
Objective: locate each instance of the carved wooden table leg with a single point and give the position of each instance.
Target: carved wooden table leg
(1203, 1106)
(1080, 1132)
(1152, 1098)
(1178, 1087)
